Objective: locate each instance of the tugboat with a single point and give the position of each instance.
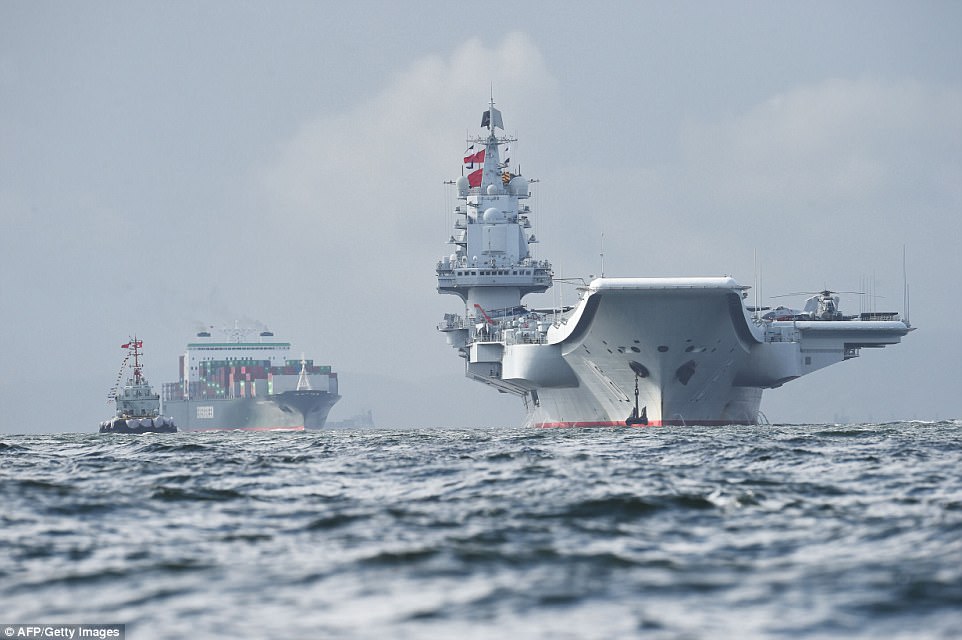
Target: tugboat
(138, 407)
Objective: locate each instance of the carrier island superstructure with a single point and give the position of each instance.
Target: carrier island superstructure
(238, 379)
(636, 351)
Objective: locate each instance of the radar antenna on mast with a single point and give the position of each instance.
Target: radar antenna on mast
(492, 117)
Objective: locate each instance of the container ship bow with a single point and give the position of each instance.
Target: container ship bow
(633, 351)
(233, 382)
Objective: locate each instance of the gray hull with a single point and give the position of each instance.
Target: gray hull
(287, 411)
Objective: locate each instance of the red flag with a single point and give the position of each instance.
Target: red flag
(474, 157)
(474, 178)
(125, 346)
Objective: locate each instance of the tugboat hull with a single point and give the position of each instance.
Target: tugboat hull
(159, 424)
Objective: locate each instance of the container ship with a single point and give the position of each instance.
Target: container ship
(239, 381)
(633, 351)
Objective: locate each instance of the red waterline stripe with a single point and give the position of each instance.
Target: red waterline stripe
(301, 428)
(563, 425)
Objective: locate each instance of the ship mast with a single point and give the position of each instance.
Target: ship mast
(303, 383)
(134, 345)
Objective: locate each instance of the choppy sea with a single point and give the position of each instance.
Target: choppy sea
(791, 531)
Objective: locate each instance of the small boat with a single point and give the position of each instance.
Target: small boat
(138, 407)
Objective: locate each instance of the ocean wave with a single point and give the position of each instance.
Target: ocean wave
(808, 531)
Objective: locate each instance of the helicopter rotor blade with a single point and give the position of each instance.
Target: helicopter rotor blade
(823, 292)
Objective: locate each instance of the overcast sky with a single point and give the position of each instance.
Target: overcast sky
(166, 166)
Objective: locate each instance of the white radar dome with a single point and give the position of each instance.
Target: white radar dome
(492, 215)
(463, 186)
(493, 189)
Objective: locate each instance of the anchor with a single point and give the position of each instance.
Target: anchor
(636, 417)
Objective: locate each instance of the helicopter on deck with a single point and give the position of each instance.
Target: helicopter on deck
(822, 305)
